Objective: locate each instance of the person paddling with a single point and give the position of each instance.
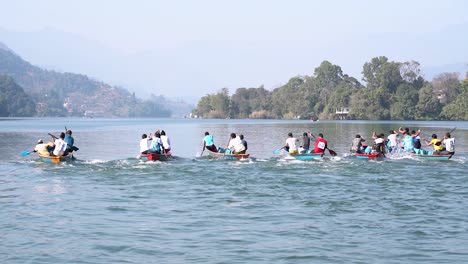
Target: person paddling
(235, 145)
(70, 142)
(144, 146)
(448, 144)
(208, 143)
(356, 145)
(436, 143)
(290, 145)
(60, 146)
(43, 149)
(320, 144)
(166, 142)
(244, 142)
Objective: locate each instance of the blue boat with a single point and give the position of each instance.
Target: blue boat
(307, 156)
(433, 156)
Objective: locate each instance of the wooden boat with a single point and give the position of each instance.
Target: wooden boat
(368, 155)
(56, 159)
(307, 156)
(221, 155)
(155, 156)
(433, 156)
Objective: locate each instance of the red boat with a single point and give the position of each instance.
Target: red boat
(368, 155)
(155, 156)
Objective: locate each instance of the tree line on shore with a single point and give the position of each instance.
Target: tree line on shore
(390, 91)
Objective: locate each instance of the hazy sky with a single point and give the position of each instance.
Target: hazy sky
(191, 48)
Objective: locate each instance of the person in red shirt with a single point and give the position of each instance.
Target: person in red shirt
(320, 144)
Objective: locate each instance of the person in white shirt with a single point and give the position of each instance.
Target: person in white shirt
(392, 140)
(60, 145)
(379, 142)
(144, 144)
(235, 144)
(448, 144)
(166, 143)
(291, 144)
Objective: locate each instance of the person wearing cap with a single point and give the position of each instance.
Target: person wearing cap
(43, 148)
(290, 145)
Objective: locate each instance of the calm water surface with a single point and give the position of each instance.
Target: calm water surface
(108, 207)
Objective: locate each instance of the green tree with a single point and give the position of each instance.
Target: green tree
(456, 110)
(406, 98)
(428, 106)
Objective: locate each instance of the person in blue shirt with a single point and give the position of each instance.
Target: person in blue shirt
(156, 143)
(208, 143)
(70, 141)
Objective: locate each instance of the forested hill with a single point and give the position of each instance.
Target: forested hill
(13, 100)
(390, 91)
(67, 94)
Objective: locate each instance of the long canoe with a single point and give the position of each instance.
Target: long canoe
(155, 156)
(307, 156)
(56, 159)
(368, 155)
(433, 156)
(220, 155)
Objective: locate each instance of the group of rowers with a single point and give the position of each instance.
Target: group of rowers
(410, 143)
(159, 143)
(62, 145)
(291, 145)
(237, 144)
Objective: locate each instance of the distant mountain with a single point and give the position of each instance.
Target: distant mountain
(61, 94)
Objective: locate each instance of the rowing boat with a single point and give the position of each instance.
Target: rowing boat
(433, 156)
(368, 155)
(225, 156)
(56, 159)
(155, 156)
(307, 156)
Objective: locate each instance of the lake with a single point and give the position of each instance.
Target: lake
(109, 207)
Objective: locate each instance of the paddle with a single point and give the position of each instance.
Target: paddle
(25, 153)
(277, 151)
(332, 152)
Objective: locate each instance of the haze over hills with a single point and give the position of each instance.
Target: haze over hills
(69, 94)
(208, 64)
